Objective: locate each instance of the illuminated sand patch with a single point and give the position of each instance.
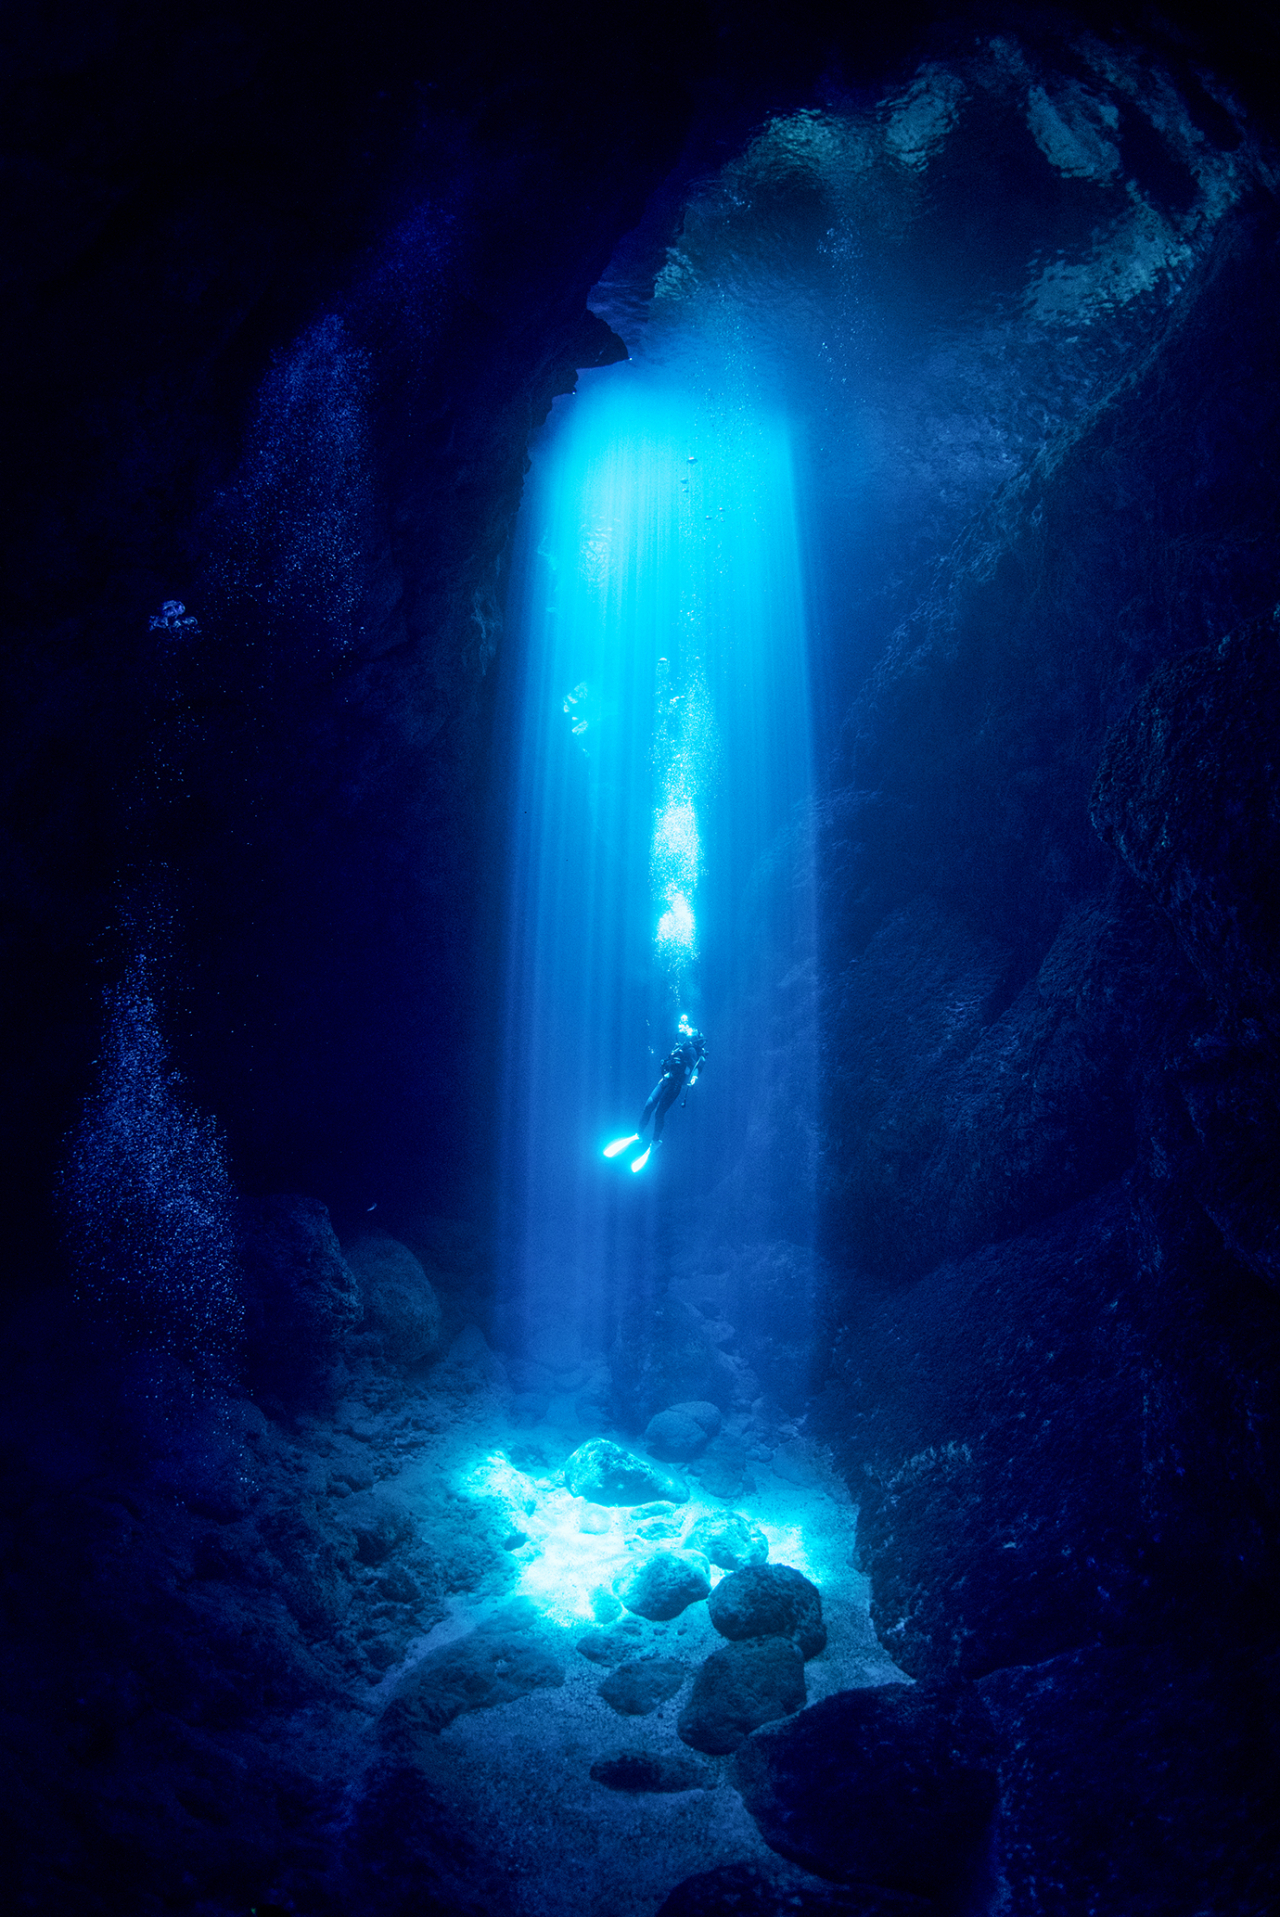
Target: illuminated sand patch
(577, 1553)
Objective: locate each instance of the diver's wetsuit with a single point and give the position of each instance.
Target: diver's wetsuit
(679, 1068)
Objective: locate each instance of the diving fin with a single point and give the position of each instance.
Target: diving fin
(638, 1164)
(620, 1145)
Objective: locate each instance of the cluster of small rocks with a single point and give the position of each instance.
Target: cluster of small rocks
(771, 1615)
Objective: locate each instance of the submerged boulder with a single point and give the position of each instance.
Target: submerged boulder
(892, 1784)
(636, 1689)
(603, 1473)
(399, 1299)
(770, 1600)
(664, 1585)
(722, 1468)
(682, 1430)
(492, 1665)
(739, 1688)
(665, 1355)
(469, 1366)
(646, 1771)
(380, 1525)
(729, 1540)
(748, 1891)
(612, 1646)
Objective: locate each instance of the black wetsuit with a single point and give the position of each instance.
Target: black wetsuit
(679, 1068)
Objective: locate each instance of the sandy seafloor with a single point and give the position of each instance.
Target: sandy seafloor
(566, 1845)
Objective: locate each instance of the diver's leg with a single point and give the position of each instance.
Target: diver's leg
(651, 1103)
(664, 1106)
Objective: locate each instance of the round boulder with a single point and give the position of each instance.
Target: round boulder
(892, 1784)
(603, 1473)
(613, 1646)
(769, 1600)
(636, 1689)
(664, 1585)
(729, 1540)
(645, 1771)
(682, 1430)
(739, 1688)
(399, 1299)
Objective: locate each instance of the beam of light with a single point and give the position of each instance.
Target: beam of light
(657, 695)
(676, 937)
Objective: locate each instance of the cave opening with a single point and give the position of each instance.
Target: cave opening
(788, 544)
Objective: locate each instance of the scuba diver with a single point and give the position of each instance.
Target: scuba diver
(680, 1071)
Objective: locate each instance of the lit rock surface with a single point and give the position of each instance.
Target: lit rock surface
(665, 1585)
(603, 1473)
(730, 1541)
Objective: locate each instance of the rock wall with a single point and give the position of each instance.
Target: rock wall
(289, 296)
(1050, 1074)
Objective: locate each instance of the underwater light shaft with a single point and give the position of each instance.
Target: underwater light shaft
(661, 749)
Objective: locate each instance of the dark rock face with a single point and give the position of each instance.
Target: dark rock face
(1049, 1042)
(665, 1585)
(638, 1688)
(1194, 814)
(740, 1688)
(642, 1771)
(995, 981)
(960, 1579)
(892, 1786)
(770, 1600)
(399, 1300)
(1102, 1770)
(404, 1831)
(603, 1473)
(1191, 807)
(258, 335)
(301, 1299)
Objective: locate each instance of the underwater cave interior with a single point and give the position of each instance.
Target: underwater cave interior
(785, 541)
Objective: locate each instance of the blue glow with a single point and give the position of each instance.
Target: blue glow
(660, 725)
(576, 1550)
